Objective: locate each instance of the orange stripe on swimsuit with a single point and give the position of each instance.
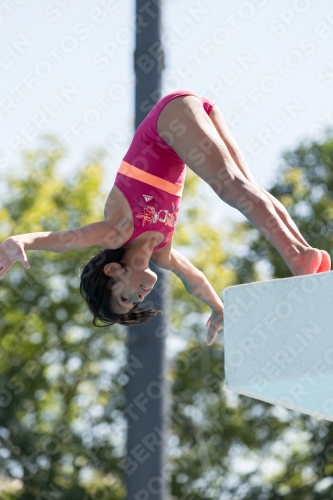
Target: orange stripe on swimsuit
(135, 173)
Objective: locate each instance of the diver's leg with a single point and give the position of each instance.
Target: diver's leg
(203, 150)
(236, 154)
(225, 133)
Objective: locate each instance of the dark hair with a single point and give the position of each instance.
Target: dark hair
(95, 288)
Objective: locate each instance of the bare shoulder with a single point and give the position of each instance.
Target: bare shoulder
(177, 263)
(116, 204)
(117, 212)
(163, 256)
(169, 258)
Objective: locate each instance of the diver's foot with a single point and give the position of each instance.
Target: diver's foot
(325, 265)
(307, 261)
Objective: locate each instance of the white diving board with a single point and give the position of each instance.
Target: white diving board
(278, 341)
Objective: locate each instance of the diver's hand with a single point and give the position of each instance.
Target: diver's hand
(214, 324)
(11, 251)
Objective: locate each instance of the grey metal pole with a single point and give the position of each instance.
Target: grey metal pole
(146, 391)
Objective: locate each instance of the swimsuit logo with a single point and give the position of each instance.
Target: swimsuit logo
(147, 197)
(150, 215)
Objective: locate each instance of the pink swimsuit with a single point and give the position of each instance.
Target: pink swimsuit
(152, 175)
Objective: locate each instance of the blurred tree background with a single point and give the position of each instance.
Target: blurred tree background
(62, 427)
(61, 390)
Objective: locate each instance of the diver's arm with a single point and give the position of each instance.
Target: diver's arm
(194, 280)
(196, 284)
(100, 234)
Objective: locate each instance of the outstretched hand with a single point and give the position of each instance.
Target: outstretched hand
(214, 324)
(11, 251)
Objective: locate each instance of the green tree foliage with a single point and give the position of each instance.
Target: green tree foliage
(225, 446)
(62, 429)
(61, 396)
(301, 446)
(220, 442)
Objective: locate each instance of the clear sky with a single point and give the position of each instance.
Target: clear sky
(66, 68)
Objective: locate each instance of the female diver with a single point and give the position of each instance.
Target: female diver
(143, 206)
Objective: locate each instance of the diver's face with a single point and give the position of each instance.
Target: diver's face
(131, 286)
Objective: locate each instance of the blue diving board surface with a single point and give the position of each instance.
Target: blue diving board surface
(278, 341)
